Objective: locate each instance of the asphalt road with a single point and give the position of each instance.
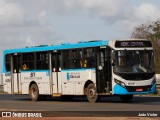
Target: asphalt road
(111, 104)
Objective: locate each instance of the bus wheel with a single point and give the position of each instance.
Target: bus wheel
(92, 93)
(126, 98)
(34, 92)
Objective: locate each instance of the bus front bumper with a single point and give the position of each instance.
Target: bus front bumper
(119, 90)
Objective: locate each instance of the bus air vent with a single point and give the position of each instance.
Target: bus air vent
(43, 45)
(65, 43)
(90, 41)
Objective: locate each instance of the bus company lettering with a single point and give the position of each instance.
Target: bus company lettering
(32, 78)
(132, 44)
(73, 75)
(7, 80)
(7, 74)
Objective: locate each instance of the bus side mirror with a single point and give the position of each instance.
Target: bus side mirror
(100, 67)
(113, 55)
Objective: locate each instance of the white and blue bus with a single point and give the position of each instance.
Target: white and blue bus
(92, 68)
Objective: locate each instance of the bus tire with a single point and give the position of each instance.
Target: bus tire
(92, 95)
(34, 92)
(126, 98)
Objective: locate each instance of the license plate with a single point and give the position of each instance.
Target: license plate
(139, 89)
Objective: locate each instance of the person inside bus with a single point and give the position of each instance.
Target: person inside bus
(91, 61)
(25, 67)
(122, 61)
(84, 63)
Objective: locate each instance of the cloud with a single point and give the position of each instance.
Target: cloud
(10, 14)
(21, 25)
(30, 41)
(105, 9)
(42, 18)
(112, 12)
(147, 11)
(136, 15)
(22, 19)
(108, 9)
(102, 8)
(122, 15)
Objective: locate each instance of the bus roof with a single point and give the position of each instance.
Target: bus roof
(131, 39)
(58, 47)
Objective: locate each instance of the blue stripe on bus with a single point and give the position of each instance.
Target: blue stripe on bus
(3, 64)
(64, 70)
(26, 71)
(81, 69)
(119, 90)
(35, 71)
(58, 47)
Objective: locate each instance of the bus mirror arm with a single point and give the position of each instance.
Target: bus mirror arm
(113, 64)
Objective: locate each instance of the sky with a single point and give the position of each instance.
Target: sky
(40, 22)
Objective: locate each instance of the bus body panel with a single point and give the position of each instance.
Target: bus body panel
(57, 82)
(119, 90)
(16, 82)
(66, 81)
(7, 82)
(40, 78)
(142, 84)
(73, 81)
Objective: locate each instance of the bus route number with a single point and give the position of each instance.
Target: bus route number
(32, 75)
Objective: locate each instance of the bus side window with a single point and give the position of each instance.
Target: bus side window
(89, 58)
(66, 59)
(77, 58)
(42, 60)
(27, 62)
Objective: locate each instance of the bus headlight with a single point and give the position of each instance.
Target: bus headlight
(153, 82)
(119, 82)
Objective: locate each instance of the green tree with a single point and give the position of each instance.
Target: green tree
(150, 31)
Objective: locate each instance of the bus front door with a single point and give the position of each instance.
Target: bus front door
(103, 74)
(56, 73)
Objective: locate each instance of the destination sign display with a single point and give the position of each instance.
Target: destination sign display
(132, 44)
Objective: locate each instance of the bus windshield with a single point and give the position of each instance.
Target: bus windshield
(134, 61)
